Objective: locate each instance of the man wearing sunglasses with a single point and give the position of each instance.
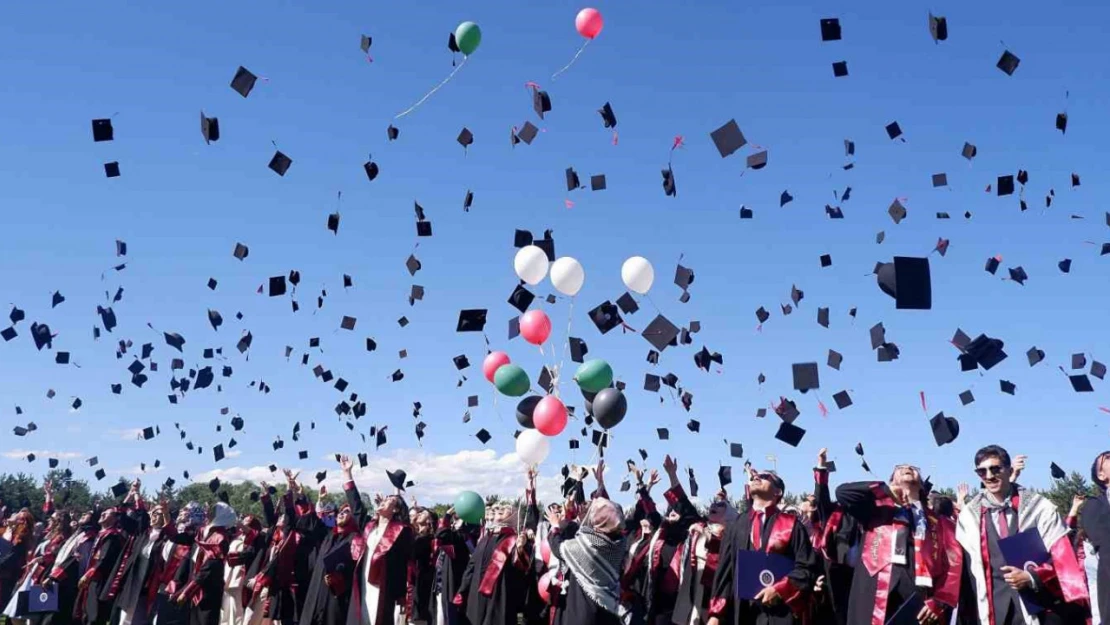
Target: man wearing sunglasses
(908, 556)
(994, 592)
(764, 528)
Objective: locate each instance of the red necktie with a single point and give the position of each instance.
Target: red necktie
(757, 530)
(1003, 525)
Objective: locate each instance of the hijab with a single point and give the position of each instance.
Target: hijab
(596, 554)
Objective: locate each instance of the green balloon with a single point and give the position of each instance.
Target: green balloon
(594, 375)
(511, 380)
(470, 507)
(467, 37)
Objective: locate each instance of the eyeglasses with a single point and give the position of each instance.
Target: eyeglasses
(994, 470)
(906, 466)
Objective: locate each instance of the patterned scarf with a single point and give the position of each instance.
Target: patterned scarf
(914, 516)
(596, 561)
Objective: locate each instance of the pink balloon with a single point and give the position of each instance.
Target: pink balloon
(535, 327)
(493, 362)
(589, 23)
(550, 416)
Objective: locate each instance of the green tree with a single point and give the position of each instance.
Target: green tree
(1063, 491)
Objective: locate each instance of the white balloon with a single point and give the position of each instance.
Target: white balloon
(567, 275)
(531, 264)
(638, 274)
(532, 447)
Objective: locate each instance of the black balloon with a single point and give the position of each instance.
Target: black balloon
(609, 407)
(525, 409)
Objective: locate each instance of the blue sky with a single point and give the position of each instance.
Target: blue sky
(684, 70)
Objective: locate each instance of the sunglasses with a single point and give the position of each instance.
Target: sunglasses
(765, 476)
(994, 470)
(906, 466)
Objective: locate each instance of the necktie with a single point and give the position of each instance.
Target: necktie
(757, 531)
(1003, 525)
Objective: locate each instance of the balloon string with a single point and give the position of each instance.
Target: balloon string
(566, 344)
(576, 55)
(652, 302)
(434, 89)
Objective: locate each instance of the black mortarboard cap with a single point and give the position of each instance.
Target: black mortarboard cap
(465, 138)
(668, 182)
(1057, 472)
(660, 332)
(8, 333)
(280, 163)
(119, 489)
(1008, 63)
(966, 398)
(842, 399)
(607, 116)
(243, 81)
(897, 211)
(724, 475)
(840, 69)
(1081, 383)
(938, 27)
(61, 358)
(1007, 387)
(651, 382)
(597, 182)
(606, 316)
(541, 102)
(757, 160)
(945, 429)
(397, 478)
(209, 128)
(746, 213)
(805, 376)
(728, 138)
(218, 452)
(1078, 361)
(663, 434)
(992, 265)
(893, 130)
(111, 170)
(790, 434)
(1098, 369)
(348, 323)
(1035, 355)
(823, 317)
(471, 320)
(528, 133)
(969, 151)
(461, 362)
(1062, 126)
(1005, 185)
(830, 29)
(102, 130)
(578, 349)
(826, 260)
(148, 433)
(521, 298)
(835, 358)
(100, 473)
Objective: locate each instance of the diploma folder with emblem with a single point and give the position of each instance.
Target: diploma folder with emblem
(35, 600)
(756, 570)
(1023, 550)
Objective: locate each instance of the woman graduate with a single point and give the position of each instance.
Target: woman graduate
(493, 589)
(328, 600)
(381, 573)
(592, 557)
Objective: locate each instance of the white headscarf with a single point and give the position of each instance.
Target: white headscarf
(224, 515)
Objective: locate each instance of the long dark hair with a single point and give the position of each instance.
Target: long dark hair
(1094, 470)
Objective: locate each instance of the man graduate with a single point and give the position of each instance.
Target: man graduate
(908, 557)
(767, 530)
(996, 593)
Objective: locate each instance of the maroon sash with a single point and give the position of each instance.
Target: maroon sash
(376, 566)
(497, 562)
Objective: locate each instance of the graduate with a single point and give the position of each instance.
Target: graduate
(701, 557)
(56, 533)
(1094, 522)
(202, 593)
(493, 587)
(245, 549)
(906, 551)
(95, 597)
(995, 593)
(834, 536)
(454, 542)
(381, 576)
(69, 566)
(328, 600)
(135, 601)
(177, 553)
(764, 528)
(591, 556)
(271, 592)
(422, 567)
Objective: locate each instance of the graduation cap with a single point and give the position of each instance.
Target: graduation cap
(241, 252)
(527, 133)
(1098, 369)
(805, 376)
(606, 316)
(102, 130)
(397, 478)
(218, 452)
(908, 281)
(938, 28)
(607, 116)
(969, 151)
(842, 399)
(736, 450)
(1007, 386)
(597, 182)
(541, 102)
(830, 29)
(663, 434)
(790, 434)
(893, 130)
(1081, 383)
(392, 133)
(120, 489)
(461, 362)
(1078, 361)
(840, 69)
(280, 163)
(348, 323)
(521, 298)
(660, 332)
(746, 213)
(371, 169)
(1035, 355)
(668, 183)
(471, 320)
(465, 138)
(148, 433)
(578, 349)
(897, 212)
(468, 200)
(728, 138)
(757, 160)
(1008, 63)
(111, 170)
(209, 128)
(243, 81)
(966, 398)
(945, 429)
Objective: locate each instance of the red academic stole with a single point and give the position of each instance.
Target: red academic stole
(376, 566)
(826, 536)
(497, 561)
(1061, 575)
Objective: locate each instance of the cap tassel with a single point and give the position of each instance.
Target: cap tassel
(923, 407)
(615, 139)
(822, 408)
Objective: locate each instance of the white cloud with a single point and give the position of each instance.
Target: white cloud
(20, 454)
(128, 435)
(438, 478)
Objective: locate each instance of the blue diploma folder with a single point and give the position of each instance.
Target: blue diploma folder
(1021, 551)
(35, 600)
(756, 570)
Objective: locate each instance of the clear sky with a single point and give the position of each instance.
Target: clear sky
(681, 69)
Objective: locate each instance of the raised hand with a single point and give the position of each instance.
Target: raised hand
(822, 458)
(961, 493)
(670, 466)
(653, 478)
(346, 465)
(1019, 466)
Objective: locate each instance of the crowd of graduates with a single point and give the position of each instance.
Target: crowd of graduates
(873, 552)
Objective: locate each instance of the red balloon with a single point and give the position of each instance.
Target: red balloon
(493, 362)
(550, 416)
(535, 327)
(589, 23)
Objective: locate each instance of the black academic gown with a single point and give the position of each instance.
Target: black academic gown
(145, 561)
(1094, 520)
(324, 604)
(575, 607)
(507, 599)
(422, 574)
(452, 557)
(738, 537)
(65, 575)
(97, 603)
(840, 550)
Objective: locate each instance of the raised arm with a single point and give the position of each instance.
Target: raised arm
(858, 499)
(532, 511)
(269, 515)
(825, 504)
(676, 496)
(354, 498)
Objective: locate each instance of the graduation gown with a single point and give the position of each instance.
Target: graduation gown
(452, 555)
(652, 580)
(834, 536)
(329, 604)
(493, 588)
(782, 533)
(175, 572)
(70, 564)
(94, 601)
(879, 585)
(381, 574)
(572, 605)
(421, 579)
(1094, 520)
(134, 604)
